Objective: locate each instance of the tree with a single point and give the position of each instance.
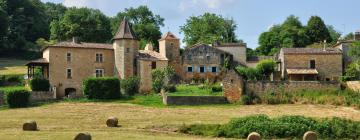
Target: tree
(352, 72)
(54, 11)
(266, 67)
(3, 24)
(354, 50)
(146, 25)
(26, 24)
(349, 36)
(88, 24)
(335, 35)
(208, 28)
(317, 31)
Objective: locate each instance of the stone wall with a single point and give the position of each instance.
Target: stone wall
(194, 100)
(263, 87)
(37, 96)
(233, 86)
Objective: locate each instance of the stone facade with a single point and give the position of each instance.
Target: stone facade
(144, 70)
(327, 63)
(265, 87)
(233, 85)
(203, 62)
(82, 64)
(125, 51)
(237, 50)
(37, 96)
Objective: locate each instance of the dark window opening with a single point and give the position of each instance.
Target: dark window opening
(99, 57)
(153, 65)
(69, 92)
(127, 50)
(190, 69)
(99, 72)
(202, 69)
(68, 57)
(213, 69)
(312, 64)
(69, 73)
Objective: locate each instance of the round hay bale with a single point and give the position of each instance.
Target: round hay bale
(30, 126)
(83, 136)
(254, 136)
(112, 122)
(310, 135)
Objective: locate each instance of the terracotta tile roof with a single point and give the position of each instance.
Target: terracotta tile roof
(301, 71)
(311, 51)
(169, 36)
(37, 61)
(125, 31)
(150, 55)
(82, 45)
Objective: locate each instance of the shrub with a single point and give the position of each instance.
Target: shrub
(130, 85)
(16, 98)
(170, 88)
(2, 80)
(276, 98)
(102, 88)
(39, 84)
(18, 79)
(162, 78)
(216, 88)
(251, 98)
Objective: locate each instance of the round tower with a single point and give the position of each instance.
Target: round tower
(126, 46)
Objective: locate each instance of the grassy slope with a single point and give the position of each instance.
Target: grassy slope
(193, 90)
(12, 66)
(65, 119)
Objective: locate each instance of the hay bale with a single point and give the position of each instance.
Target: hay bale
(310, 135)
(112, 122)
(83, 136)
(254, 136)
(30, 126)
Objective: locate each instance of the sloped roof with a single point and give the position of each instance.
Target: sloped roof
(82, 45)
(169, 36)
(40, 61)
(311, 51)
(150, 55)
(125, 31)
(202, 46)
(301, 71)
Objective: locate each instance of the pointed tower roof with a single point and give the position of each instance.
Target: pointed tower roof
(125, 31)
(169, 36)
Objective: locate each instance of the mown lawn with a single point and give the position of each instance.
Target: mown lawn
(194, 90)
(63, 120)
(12, 66)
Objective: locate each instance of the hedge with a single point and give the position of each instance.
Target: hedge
(102, 88)
(17, 97)
(130, 85)
(283, 127)
(18, 79)
(39, 84)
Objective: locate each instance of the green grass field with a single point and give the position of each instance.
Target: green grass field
(193, 90)
(12, 66)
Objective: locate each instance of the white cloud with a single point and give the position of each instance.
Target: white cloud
(208, 4)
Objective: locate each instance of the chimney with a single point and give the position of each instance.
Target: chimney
(357, 36)
(149, 47)
(76, 40)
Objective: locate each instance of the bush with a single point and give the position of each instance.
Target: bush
(216, 88)
(130, 85)
(283, 127)
(39, 84)
(102, 88)
(276, 98)
(170, 88)
(17, 79)
(16, 98)
(251, 98)
(2, 80)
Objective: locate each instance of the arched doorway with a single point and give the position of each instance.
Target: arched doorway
(70, 92)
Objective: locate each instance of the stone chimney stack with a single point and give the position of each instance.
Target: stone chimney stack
(76, 40)
(149, 47)
(357, 35)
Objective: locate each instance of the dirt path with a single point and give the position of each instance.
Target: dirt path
(64, 120)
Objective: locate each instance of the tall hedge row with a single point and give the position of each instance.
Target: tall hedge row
(39, 84)
(17, 97)
(102, 88)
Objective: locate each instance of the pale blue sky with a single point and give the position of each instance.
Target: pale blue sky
(252, 16)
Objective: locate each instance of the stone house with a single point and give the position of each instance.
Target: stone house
(344, 46)
(67, 64)
(310, 64)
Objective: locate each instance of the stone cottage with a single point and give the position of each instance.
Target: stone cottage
(344, 46)
(310, 64)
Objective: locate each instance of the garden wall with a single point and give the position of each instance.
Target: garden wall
(37, 96)
(194, 100)
(263, 87)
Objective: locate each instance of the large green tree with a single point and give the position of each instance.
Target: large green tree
(54, 11)
(334, 34)
(145, 23)
(317, 31)
(26, 23)
(208, 28)
(88, 24)
(3, 24)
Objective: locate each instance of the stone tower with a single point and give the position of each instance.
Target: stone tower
(126, 47)
(169, 46)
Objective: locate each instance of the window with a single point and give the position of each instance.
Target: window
(189, 57)
(68, 57)
(202, 69)
(99, 72)
(127, 50)
(213, 69)
(312, 64)
(189, 69)
(208, 57)
(153, 65)
(99, 57)
(171, 44)
(68, 73)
